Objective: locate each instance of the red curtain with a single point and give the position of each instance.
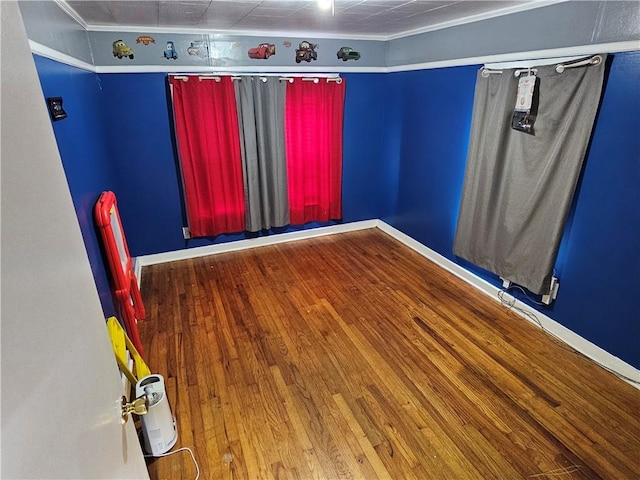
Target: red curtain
(314, 113)
(208, 142)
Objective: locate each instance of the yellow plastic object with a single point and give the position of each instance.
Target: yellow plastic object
(121, 343)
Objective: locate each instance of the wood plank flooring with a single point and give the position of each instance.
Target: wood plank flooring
(351, 356)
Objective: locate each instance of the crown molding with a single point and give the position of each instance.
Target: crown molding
(232, 70)
(68, 9)
(233, 33)
(44, 51)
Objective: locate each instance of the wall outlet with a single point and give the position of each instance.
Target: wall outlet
(186, 233)
(553, 291)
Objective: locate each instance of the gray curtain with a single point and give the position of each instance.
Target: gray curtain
(518, 187)
(261, 107)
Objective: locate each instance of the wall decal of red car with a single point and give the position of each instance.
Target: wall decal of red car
(306, 51)
(262, 51)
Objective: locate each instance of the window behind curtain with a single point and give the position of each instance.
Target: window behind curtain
(314, 118)
(258, 153)
(261, 107)
(208, 142)
(518, 186)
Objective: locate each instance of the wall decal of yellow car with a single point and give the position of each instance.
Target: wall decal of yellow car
(121, 49)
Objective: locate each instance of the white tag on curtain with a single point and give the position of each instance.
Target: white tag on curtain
(524, 116)
(526, 85)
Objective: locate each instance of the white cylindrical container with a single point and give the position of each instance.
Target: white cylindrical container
(158, 425)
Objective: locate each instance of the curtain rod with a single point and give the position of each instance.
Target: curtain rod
(595, 60)
(288, 77)
(486, 72)
(560, 67)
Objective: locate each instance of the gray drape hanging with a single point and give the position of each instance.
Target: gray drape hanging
(261, 106)
(518, 187)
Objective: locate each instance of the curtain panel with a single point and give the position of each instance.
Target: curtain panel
(258, 152)
(518, 187)
(314, 120)
(261, 105)
(207, 132)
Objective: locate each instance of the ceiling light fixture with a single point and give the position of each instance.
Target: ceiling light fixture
(328, 4)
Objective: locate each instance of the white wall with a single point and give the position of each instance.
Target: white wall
(60, 383)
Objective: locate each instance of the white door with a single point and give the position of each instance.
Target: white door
(60, 384)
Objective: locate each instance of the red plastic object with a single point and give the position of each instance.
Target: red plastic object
(123, 278)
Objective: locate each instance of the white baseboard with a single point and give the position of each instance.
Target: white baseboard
(569, 337)
(137, 269)
(252, 243)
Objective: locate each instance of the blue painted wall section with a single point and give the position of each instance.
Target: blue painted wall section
(406, 137)
(598, 296)
(139, 121)
(364, 189)
(82, 146)
(600, 259)
(436, 107)
(140, 141)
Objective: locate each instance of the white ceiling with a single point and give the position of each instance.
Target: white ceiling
(362, 18)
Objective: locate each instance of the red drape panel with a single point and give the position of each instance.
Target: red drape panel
(208, 142)
(314, 113)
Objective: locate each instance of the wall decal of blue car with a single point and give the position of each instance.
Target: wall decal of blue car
(170, 51)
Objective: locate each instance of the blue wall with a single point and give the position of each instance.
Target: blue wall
(434, 108)
(599, 264)
(82, 146)
(600, 291)
(405, 143)
(364, 186)
(118, 136)
(140, 141)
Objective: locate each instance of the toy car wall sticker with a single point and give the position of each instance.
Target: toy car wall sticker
(286, 43)
(348, 53)
(198, 48)
(170, 51)
(262, 51)
(306, 51)
(145, 39)
(121, 49)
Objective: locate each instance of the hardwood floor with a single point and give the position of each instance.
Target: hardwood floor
(351, 356)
